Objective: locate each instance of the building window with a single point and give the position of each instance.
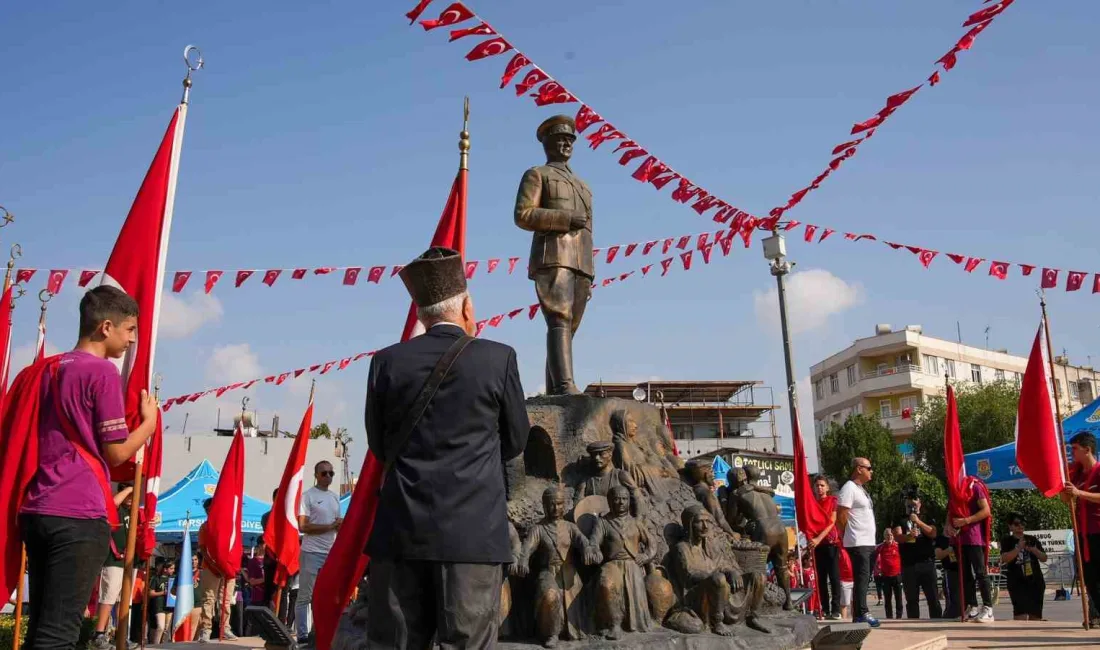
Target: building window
(932, 364)
(819, 390)
(1085, 389)
(1016, 379)
(857, 409)
(949, 367)
(975, 373)
(999, 374)
(884, 409)
(834, 384)
(1073, 391)
(852, 375)
(908, 405)
(1057, 388)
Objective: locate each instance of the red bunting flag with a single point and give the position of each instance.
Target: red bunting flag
(553, 92)
(660, 183)
(328, 366)
(480, 325)
(271, 275)
(471, 268)
(972, 263)
(999, 270)
(492, 265)
(648, 247)
(241, 277)
(726, 243)
(515, 312)
(344, 363)
(605, 133)
(374, 275)
(950, 59)
(611, 253)
(512, 264)
(825, 234)
(705, 203)
(495, 321)
(23, 276)
(686, 258)
(958, 259)
(847, 145)
(914, 249)
(534, 77)
(988, 13)
(351, 275)
(396, 269)
(926, 257)
(585, 118)
(86, 277)
(57, 279)
(282, 377)
(1026, 269)
(893, 245)
(683, 242)
(324, 270)
(686, 191)
(666, 245)
(724, 213)
(810, 231)
(645, 269)
(481, 30)
(664, 266)
(701, 243)
(706, 250)
(297, 274)
(179, 281)
(1038, 452)
(934, 78)
(625, 144)
(850, 236)
(630, 249)
(1050, 278)
(645, 172)
(631, 155)
(1074, 280)
(532, 310)
(1096, 283)
(491, 47)
(299, 372)
(967, 41)
(413, 14)
(792, 224)
(518, 62)
(212, 278)
(452, 15)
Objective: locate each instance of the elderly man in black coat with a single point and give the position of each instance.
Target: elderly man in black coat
(444, 412)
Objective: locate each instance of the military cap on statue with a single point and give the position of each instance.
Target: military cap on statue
(598, 446)
(557, 125)
(435, 276)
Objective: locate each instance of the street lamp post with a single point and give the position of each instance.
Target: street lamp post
(775, 251)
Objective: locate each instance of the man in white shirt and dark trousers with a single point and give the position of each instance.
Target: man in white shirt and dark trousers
(855, 518)
(318, 521)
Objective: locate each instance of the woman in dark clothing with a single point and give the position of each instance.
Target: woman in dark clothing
(1020, 557)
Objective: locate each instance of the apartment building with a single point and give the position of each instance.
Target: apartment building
(889, 374)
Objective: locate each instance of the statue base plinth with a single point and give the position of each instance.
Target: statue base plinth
(789, 632)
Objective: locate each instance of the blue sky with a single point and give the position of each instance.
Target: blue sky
(325, 134)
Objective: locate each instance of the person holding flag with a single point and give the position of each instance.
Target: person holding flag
(444, 412)
(66, 424)
(1084, 487)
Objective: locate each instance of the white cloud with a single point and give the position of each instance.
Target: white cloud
(813, 296)
(182, 317)
(231, 363)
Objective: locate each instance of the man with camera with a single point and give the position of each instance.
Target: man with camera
(918, 559)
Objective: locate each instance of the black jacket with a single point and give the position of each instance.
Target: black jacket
(445, 499)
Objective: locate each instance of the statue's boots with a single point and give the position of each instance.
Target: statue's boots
(559, 362)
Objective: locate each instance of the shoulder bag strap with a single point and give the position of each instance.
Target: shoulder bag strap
(423, 399)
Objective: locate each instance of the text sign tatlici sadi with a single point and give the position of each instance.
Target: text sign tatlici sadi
(776, 472)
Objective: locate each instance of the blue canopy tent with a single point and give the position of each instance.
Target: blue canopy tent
(345, 501)
(997, 466)
(184, 500)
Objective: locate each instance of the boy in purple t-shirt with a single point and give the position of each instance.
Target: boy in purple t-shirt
(64, 513)
(975, 543)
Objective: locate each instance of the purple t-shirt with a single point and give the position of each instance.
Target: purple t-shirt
(90, 390)
(974, 534)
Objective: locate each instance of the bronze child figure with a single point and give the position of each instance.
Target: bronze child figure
(623, 542)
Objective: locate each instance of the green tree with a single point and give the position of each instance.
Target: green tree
(987, 418)
(320, 431)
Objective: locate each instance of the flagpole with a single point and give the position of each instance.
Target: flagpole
(1065, 463)
(19, 599)
(958, 536)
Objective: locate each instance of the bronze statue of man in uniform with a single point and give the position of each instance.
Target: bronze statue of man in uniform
(556, 205)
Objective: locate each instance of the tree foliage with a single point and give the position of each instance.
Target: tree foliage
(320, 431)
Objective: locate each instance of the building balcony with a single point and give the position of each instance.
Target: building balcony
(888, 371)
(897, 422)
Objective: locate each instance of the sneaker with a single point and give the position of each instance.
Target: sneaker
(101, 642)
(869, 620)
(972, 613)
(985, 616)
(204, 636)
(834, 617)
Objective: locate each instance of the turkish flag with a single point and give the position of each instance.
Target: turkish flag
(481, 30)
(271, 276)
(351, 275)
(999, 270)
(609, 132)
(926, 257)
(706, 251)
(495, 321)
(648, 247)
(1038, 454)
(612, 251)
(847, 145)
(811, 230)
(180, 281)
(396, 269)
(224, 539)
(664, 266)
(726, 244)
(281, 378)
(86, 277)
(57, 278)
(967, 41)
(812, 518)
(683, 242)
(491, 47)
(375, 274)
(625, 144)
(950, 59)
(1050, 278)
(585, 118)
(701, 242)
(1096, 283)
(552, 92)
(518, 62)
(953, 458)
(1074, 280)
(22, 276)
(645, 269)
(242, 276)
(298, 274)
(512, 264)
(705, 203)
(661, 181)
(988, 13)
(631, 155)
(825, 234)
(492, 265)
(532, 311)
(724, 213)
(686, 258)
(471, 268)
(452, 15)
(934, 78)
(956, 258)
(630, 249)
(479, 327)
(212, 278)
(415, 12)
(534, 77)
(972, 263)
(1026, 269)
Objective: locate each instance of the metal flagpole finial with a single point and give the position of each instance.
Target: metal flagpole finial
(244, 403)
(17, 292)
(192, 57)
(157, 378)
(464, 137)
(44, 296)
(7, 216)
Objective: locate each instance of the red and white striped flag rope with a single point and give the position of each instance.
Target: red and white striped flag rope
(550, 92)
(724, 243)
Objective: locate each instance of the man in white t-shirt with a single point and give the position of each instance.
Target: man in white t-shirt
(855, 519)
(318, 520)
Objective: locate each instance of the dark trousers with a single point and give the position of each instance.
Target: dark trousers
(917, 578)
(951, 594)
(64, 557)
(1027, 596)
(892, 586)
(861, 574)
(827, 560)
(974, 571)
(411, 602)
(1092, 570)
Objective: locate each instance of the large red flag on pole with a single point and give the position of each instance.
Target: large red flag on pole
(281, 536)
(954, 466)
(5, 338)
(1039, 455)
(347, 560)
(222, 540)
(812, 518)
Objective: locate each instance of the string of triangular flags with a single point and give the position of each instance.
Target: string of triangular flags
(724, 241)
(549, 91)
